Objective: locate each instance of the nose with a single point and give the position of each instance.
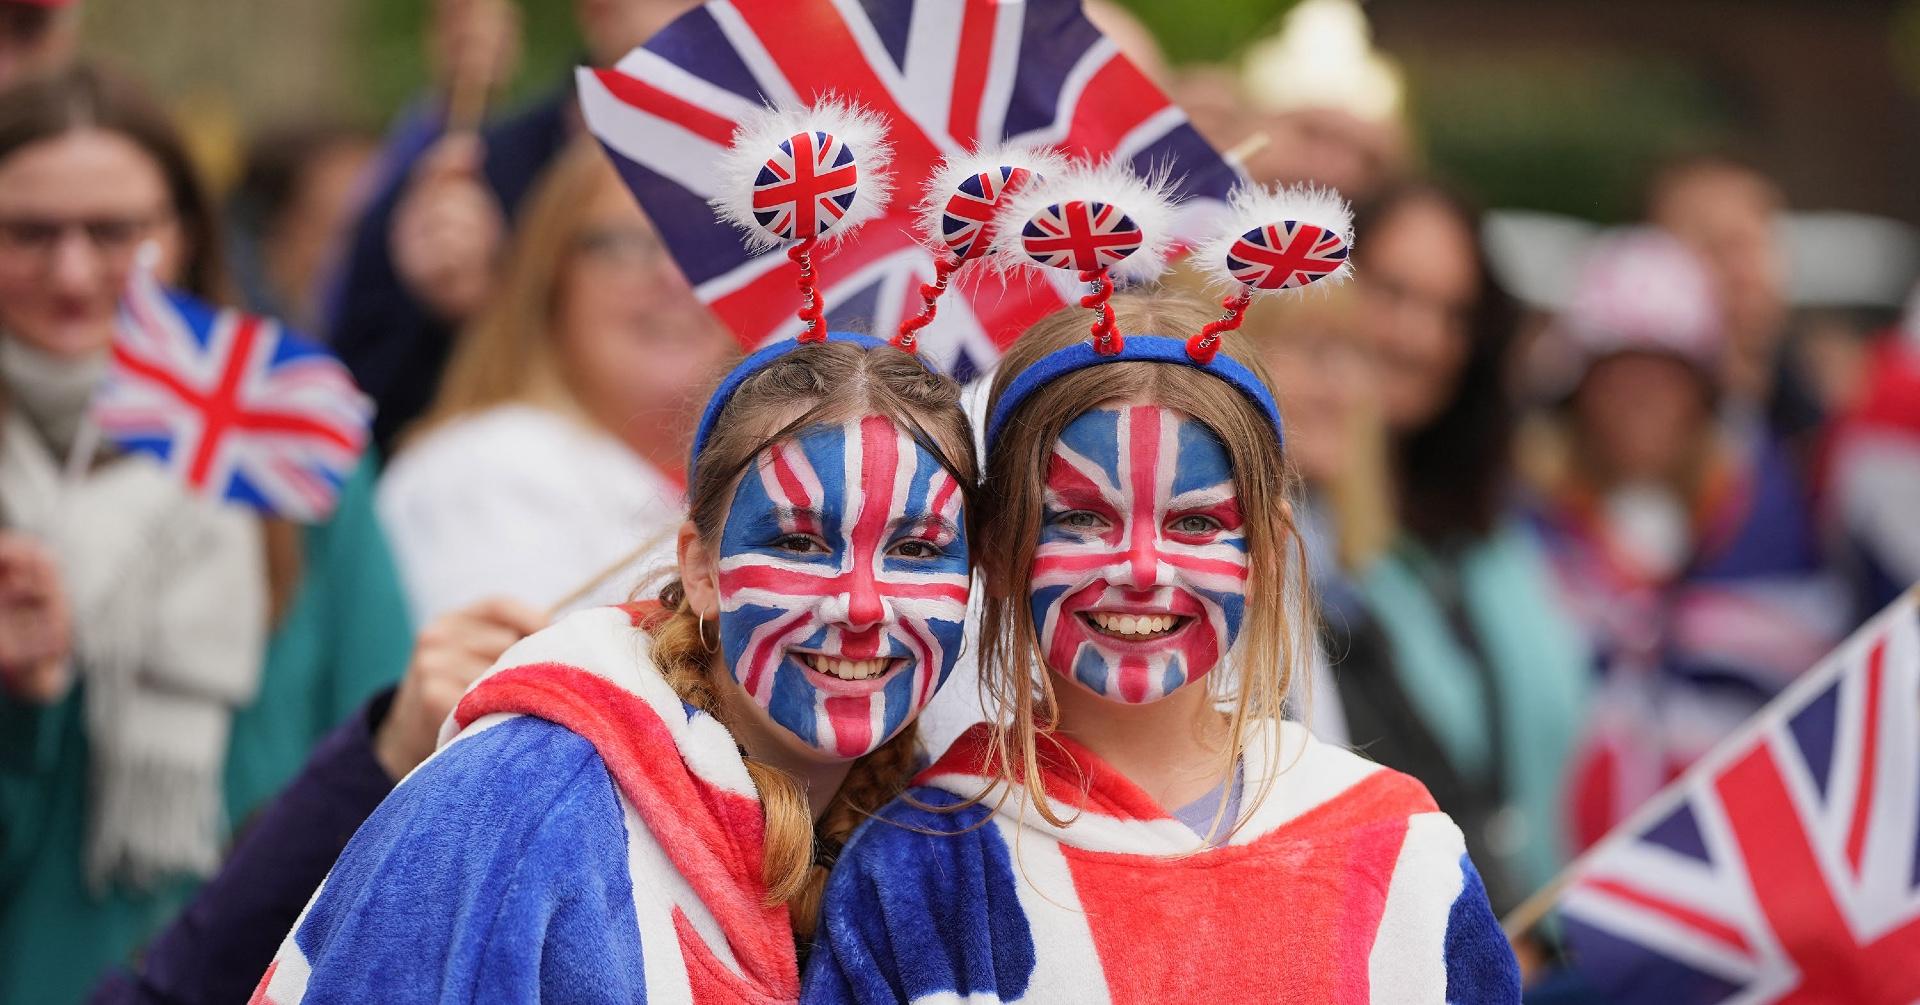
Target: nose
(866, 608)
(1140, 565)
(75, 265)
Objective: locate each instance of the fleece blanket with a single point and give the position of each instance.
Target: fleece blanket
(581, 835)
(1345, 886)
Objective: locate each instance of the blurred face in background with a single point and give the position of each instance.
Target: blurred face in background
(1325, 381)
(638, 348)
(612, 28)
(35, 38)
(315, 224)
(1418, 281)
(73, 211)
(1639, 418)
(1726, 215)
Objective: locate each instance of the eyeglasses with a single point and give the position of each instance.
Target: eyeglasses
(621, 246)
(115, 237)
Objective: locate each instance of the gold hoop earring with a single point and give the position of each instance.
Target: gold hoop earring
(704, 644)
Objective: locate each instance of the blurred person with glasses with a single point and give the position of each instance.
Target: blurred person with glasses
(1490, 665)
(166, 660)
(567, 410)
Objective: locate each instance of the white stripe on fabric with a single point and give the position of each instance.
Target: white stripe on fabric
(1408, 963)
(1066, 962)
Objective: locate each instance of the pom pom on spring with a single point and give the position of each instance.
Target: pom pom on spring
(955, 217)
(1204, 345)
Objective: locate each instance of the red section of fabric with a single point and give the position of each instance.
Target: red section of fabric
(1305, 901)
(260, 990)
(713, 837)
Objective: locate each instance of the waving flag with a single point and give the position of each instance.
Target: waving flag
(235, 405)
(1785, 867)
(948, 75)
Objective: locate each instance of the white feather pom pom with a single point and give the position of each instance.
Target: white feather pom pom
(1147, 202)
(1315, 222)
(757, 141)
(1002, 169)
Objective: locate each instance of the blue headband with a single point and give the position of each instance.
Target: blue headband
(1136, 349)
(753, 364)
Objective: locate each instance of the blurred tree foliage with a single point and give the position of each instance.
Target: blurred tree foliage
(1207, 31)
(1560, 133)
(392, 59)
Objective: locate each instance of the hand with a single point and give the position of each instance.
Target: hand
(473, 44)
(449, 655)
(36, 630)
(448, 229)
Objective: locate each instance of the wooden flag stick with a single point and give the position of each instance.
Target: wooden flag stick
(603, 574)
(1247, 148)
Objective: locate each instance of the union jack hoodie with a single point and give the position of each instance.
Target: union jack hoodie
(1345, 886)
(581, 835)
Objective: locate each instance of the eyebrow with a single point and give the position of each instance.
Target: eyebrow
(799, 517)
(931, 521)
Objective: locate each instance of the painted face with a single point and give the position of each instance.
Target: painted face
(1140, 576)
(843, 582)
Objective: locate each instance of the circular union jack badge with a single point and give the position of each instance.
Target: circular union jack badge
(1080, 235)
(806, 188)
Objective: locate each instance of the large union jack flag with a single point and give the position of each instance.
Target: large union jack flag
(234, 405)
(1785, 867)
(948, 75)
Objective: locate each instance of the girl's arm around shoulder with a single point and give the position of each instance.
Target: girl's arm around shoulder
(922, 903)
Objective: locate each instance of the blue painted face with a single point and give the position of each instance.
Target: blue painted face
(1139, 580)
(843, 581)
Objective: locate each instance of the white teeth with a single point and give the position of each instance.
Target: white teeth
(847, 669)
(1139, 625)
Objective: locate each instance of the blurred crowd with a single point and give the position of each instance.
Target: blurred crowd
(1559, 550)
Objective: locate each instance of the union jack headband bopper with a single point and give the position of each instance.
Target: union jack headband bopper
(803, 177)
(955, 217)
(1277, 241)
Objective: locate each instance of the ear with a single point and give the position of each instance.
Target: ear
(697, 573)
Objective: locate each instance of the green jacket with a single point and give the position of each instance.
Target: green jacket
(344, 636)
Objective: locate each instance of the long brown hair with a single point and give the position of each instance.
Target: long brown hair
(509, 354)
(1278, 623)
(823, 383)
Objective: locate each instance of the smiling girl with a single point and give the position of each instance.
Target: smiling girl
(1147, 827)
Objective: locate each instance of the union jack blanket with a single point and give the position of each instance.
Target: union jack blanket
(582, 835)
(1347, 885)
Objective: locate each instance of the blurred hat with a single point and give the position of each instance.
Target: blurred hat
(1643, 291)
(1323, 57)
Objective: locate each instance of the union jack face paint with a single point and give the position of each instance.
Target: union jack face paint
(843, 581)
(1140, 575)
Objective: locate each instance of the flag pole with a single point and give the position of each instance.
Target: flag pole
(1536, 907)
(604, 573)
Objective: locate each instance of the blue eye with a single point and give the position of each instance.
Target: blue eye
(1196, 525)
(1081, 520)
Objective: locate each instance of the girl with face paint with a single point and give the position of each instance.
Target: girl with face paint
(644, 800)
(1137, 822)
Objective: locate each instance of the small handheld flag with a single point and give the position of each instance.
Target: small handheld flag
(235, 405)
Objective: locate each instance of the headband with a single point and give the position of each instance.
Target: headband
(760, 360)
(1139, 349)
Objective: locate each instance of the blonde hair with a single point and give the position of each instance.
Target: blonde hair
(508, 354)
(824, 383)
(1361, 493)
(1007, 520)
